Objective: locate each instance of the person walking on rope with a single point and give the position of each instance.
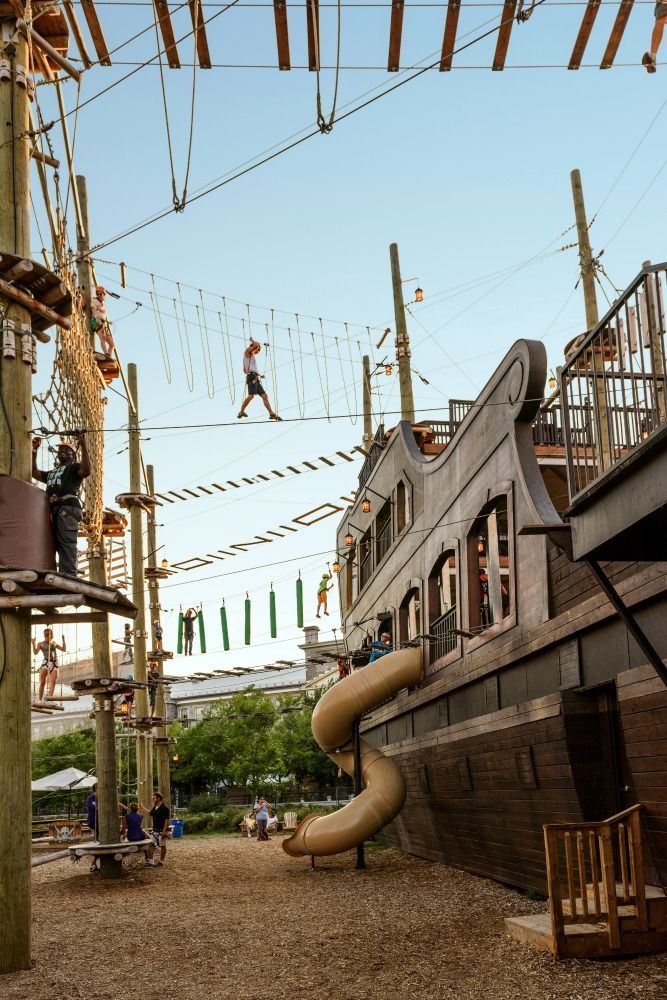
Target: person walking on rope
(650, 58)
(153, 678)
(99, 322)
(49, 667)
(189, 619)
(161, 816)
(127, 643)
(254, 381)
(323, 594)
(63, 484)
(158, 632)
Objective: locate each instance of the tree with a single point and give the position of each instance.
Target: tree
(299, 754)
(58, 752)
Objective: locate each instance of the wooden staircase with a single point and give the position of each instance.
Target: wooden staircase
(600, 905)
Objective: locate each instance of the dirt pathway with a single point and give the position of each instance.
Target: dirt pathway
(234, 918)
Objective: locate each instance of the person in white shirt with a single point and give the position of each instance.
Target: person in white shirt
(254, 381)
(100, 322)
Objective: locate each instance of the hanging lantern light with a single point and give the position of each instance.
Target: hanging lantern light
(480, 544)
(349, 540)
(165, 564)
(552, 381)
(335, 566)
(366, 505)
(419, 295)
(174, 757)
(387, 369)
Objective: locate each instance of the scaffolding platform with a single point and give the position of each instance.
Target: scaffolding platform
(44, 590)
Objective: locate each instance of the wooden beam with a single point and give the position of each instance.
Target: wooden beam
(53, 54)
(395, 35)
(282, 35)
(313, 26)
(616, 33)
(42, 601)
(68, 619)
(37, 154)
(95, 29)
(199, 26)
(75, 28)
(449, 38)
(167, 31)
(506, 24)
(587, 23)
(11, 292)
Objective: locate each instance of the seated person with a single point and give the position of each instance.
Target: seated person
(272, 824)
(381, 647)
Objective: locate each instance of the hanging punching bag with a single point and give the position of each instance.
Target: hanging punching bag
(299, 601)
(272, 613)
(202, 633)
(247, 621)
(179, 640)
(223, 625)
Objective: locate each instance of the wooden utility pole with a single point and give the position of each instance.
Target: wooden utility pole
(592, 316)
(15, 460)
(366, 395)
(144, 782)
(162, 749)
(105, 727)
(402, 339)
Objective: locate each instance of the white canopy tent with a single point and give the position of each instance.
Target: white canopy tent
(70, 779)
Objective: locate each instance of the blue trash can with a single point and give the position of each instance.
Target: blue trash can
(177, 827)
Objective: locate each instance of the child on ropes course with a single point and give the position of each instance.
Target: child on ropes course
(189, 619)
(62, 487)
(650, 58)
(323, 594)
(49, 667)
(99, 321)
(254, 381)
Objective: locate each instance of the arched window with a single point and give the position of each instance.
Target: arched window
(490, 578)
(442, 606)
(402, 507)
(351, 577)
(410, 615)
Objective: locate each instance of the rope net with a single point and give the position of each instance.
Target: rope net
(73, 401)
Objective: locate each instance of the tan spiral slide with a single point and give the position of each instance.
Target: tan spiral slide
(384, 789)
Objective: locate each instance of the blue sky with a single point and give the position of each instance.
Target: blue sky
(467, 171)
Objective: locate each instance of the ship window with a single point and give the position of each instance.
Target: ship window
(365, 560)
(383, 533)
(491, 570)
(442, 601)
(402, 507)
(410, 615)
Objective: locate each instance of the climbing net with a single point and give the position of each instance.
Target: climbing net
(73, 401)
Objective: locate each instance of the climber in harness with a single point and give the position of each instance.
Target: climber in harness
(49, 667)
(254, 381)
(323, 589)
(63, 484)
(650, 58)
(99, 321)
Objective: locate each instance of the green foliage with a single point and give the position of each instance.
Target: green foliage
(228, 821)
(204, 802)
(250, 741)
(69, 750)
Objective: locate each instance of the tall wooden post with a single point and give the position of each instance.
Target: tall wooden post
(592, 316)
(15, 460)
(402, 339)
(105, 728)
(144, 789)
(366, 396)
(162, 750)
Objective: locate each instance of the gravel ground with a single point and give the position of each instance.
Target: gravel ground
(228, 917)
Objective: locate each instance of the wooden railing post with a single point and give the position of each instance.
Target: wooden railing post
(609, 882)
(554, 890)
(637, 867)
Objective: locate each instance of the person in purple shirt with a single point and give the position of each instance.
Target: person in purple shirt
(134, 823)
(91, 819)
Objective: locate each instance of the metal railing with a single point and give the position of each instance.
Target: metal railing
(593, 869)
(443, 638)
(366, 567)
(375, 450)
(548, 427)
(613, 383)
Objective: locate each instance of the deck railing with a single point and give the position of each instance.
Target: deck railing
(595, 872)
(613, 384)
(443, 637)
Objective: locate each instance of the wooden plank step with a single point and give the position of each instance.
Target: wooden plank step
(582, 940)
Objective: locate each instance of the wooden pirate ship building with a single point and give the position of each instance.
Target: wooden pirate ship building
(527, 557)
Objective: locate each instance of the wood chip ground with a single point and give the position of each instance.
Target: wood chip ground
(231, 917)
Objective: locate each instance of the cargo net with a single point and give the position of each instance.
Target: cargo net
(73, 402)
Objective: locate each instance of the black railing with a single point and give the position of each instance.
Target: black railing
(365, 568)
(613, 383)
(375, 450)
(548, 427)
(443, 638)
